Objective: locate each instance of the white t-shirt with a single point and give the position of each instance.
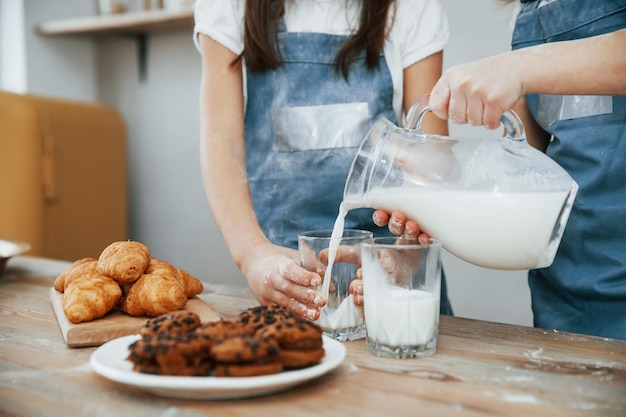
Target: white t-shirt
(420, 28)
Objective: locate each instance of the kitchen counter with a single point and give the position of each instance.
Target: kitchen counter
(480, 369)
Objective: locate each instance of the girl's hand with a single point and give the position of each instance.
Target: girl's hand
(275, 276)
(399, 225)
(356, 288)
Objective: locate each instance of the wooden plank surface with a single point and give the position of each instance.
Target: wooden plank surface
(115, 324)
(481, 369)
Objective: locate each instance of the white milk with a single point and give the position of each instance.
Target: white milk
(346, 315)
(493, 230)
(400, 317)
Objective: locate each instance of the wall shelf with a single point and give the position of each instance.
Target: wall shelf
(141, 22)
(138, 25)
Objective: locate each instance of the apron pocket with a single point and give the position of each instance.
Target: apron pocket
(320, 127)
(554, 108)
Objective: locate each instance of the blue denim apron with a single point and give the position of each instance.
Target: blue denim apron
(303, 126)
(584, 290)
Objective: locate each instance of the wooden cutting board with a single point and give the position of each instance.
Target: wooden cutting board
(115, 324)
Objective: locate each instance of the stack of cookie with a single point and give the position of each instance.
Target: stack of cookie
(262, 340)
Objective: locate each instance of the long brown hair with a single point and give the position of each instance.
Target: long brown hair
(260, 36)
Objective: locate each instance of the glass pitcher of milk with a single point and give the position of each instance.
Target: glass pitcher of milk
(497, 203)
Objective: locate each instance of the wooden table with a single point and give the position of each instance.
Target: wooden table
(480, 369)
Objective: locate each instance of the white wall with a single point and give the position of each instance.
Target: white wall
(12, 46)
(61, 66)
(168, 210)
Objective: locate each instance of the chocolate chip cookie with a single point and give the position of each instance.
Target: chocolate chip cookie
(179, 353)
(175, 322)
(223, 328)
(300, 342)
(246, 355)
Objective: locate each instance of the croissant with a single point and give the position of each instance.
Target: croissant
(90, 297)
(81, 267)
(193, 286)
(158, 291)
(124, 261)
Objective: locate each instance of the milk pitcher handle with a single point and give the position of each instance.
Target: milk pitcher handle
(510, 120)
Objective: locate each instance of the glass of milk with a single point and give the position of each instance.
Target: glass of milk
(336, 257)
(401, 291)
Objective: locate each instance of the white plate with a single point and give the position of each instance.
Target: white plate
(109, 361)
(9, 249)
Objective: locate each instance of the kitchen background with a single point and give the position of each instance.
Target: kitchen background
(167, 207)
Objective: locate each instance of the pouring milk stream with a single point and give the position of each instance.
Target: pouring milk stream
(347, 314)
(496, 203)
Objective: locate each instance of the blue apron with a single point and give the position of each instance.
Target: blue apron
(303, 126)
(584, 290)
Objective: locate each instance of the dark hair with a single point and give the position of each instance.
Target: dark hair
(260, 36)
